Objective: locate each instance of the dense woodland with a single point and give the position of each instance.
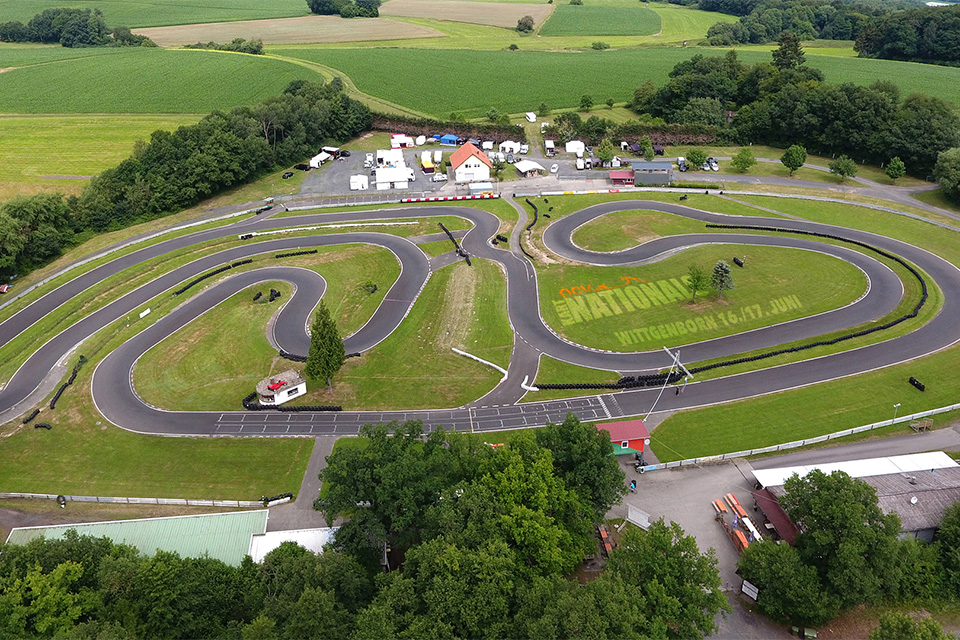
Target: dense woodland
(71, 28)
(177, 169)
(921, 35)
(849, 553)
(481, 543)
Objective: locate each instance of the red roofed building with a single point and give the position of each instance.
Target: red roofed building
(629, 436)
(470, 164)
(622, 178)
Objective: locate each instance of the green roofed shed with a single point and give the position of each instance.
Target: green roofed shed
(224, 536)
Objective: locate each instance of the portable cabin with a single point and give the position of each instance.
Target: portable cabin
(509, 146)
(531, 116)
(421, 140)
(437, 156)
(359, 182)
(576, 147)
(487, 145)
(318, 160)
(628, 436)
(448, 140)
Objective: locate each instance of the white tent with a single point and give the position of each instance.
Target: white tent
(359, 182)
(437, 156)
(399, 140)
(528, 166)
(425, 156)
(319, 159)
(421, 140)
(487, 145)
(509, 146)
(575, 146)
(393, 177)
(389, 157)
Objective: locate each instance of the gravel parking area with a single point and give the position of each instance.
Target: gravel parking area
(333, 178)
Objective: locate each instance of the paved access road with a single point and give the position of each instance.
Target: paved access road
(117, 400)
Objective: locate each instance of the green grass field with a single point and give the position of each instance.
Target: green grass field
(598, 20)
(158, 13)
(593, 320)
(556, 371)
(56, 153)
(557, 78)
(626, 229)
(146, 81)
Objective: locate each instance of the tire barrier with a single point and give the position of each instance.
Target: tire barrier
(258, 296)
(295, 253)
(629, 382)
(200, 279)
(460, 252)
(684, 197)
(535, 213)
(246, 236)
(353, 355)
(42, 425)
(291, 356)
(240, 263)
(30, 417)
(916, 383)
(502, 238)
(738, 262)
(274, 294)
(262, 209)
(283, 496)
(250, 405)
(63, 387)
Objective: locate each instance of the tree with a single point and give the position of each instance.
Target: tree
(947, 173)
(642, 96)
(720, 279)
(790, 591)
(543, 110)
(899, 626)
(372, 6)
(696, 157)
(895, 169)
(789, 55)
(743, 160)
(610, 103)
(844, 535)
(605, 150)
(682, 585)
(696, 280)
(586, 102)
(326, 7)
(600, 45)
(646, 148)
(261, 628)
(843, 167)
(948, 547)
(493, 114)
(525, 24)
(326, 347)
(582, 458)
(794, 157)
(513, 47)
(708, 111)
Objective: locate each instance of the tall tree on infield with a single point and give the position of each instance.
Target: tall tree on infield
(794, 157)
(720, 279)
(326, 348)
(697, 280)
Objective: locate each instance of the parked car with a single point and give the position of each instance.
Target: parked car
(367, 164)
(510, 158)
(4, 288)
(439, 177)
(713, 164)
(554, 168)
(344, 153)
(287, 174)
(705, 166)
(524, 149)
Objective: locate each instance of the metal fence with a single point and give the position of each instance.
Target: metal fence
(800, 443)
(159, 501)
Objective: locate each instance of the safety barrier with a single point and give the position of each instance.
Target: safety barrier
(160, 501)
(63, 387)
(460, 252)
(295, 253)
(483, 196)
(32, 415)
(250, 405)
(535, 213)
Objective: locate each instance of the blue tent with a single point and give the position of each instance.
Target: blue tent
(449, 140)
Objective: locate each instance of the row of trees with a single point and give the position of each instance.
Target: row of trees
(785, 102)
(346, 8)
(848, 553)
(177, 169)
(253, 46)
(921, 35)
(481, 542)
(71, 28)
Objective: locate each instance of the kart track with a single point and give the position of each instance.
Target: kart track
(116, 399)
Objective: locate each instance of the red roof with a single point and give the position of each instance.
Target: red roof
(621, 175)
(627, 430)
(776, 515)
(467, 151)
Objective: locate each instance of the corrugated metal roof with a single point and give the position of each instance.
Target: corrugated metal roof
(224, 536)
(309, 539)
(860, 468)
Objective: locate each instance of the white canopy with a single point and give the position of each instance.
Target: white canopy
(526, 166)
(860, 468)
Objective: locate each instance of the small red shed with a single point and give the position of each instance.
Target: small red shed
(622, 178)
(629, 436)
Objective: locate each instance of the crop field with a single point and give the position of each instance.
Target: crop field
(154, 13)
(772, 274)
(58, 153)
(599, 20)
(302, 30)
(146, 81)
(557, 78)
(24, 55)
(493, 14)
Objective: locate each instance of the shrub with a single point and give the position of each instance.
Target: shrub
(600, 46)
(525, 24)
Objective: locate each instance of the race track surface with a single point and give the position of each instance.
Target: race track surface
(116, 398)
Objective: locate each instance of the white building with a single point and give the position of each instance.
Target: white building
(576, 147)
(393, 177)
(281, 387)
(359, 182)
(389, 157)
(509, 146)
(398, 140)
(470, 164)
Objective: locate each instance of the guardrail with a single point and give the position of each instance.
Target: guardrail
(798, 443)
(159, 501)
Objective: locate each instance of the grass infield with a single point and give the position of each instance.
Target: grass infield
(774, 287)
(599, 20)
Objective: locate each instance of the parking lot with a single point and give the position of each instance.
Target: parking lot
(333, 178)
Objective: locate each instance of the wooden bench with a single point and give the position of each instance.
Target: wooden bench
(921, 425)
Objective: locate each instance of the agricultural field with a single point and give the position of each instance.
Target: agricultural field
(154, 13)
(306, 29)
(492, 14)
(556, 78)
(64, 151)
(599, 20)
(146, 81)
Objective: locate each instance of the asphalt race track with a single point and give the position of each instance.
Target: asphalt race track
(116, 399)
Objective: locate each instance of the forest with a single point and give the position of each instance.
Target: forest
(480, 542)
(931, 34)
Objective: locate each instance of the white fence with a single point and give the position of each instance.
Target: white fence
(166, 501)
(800, 443)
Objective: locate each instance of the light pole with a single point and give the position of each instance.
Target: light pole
(896, 408)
